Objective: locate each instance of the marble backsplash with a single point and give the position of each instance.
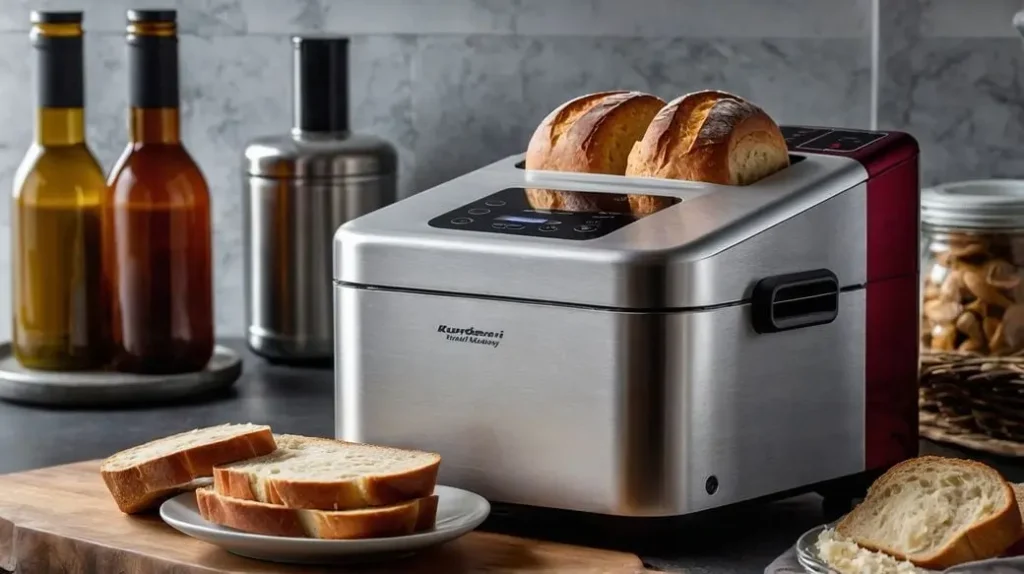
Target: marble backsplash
(455, 84)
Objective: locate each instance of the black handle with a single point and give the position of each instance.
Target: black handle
(795, 300)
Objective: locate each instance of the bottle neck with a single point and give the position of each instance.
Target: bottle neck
(60, 126)
(155, 126)
(153, 90)
(60, 84)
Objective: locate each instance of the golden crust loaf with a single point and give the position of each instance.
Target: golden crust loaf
(710, 136)
(593, 133)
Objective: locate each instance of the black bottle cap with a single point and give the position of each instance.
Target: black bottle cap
(60, 75)
(320, 84)
(152, 15)
(42, 17)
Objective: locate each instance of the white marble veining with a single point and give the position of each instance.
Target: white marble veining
(455, 84)
(601, 18)
(961, 97)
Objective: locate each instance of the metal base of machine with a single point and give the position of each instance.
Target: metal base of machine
(655, 534)
(288, 351)
(104, 389)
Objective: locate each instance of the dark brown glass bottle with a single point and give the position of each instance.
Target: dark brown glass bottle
(156, 226)
(58, 299)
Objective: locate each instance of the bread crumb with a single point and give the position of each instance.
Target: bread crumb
(846, 557)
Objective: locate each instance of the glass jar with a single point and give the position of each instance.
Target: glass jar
(973, 267)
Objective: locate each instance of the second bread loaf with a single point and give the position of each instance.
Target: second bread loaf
(713, 137)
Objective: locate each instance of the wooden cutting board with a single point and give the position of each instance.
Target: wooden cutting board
(62, 519)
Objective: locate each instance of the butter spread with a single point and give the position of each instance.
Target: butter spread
(846, 557)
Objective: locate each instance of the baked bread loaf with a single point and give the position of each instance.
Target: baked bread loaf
(325, 474)
(710, 136)
(261, 518)
(141, 477)
(592, 133)
(936, 512)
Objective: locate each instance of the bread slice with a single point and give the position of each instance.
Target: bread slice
(593, 133)
(273, 520)
(141, 477)
(1017, 549)
(936, 512)
(710, 136)
(325, 474)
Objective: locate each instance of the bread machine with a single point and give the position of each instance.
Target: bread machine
(654, 347)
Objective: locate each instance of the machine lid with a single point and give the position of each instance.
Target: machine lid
(612, 242)
(320, 155)
(975, 204)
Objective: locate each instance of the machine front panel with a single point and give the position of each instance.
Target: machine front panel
(575, 215)
(602, 411)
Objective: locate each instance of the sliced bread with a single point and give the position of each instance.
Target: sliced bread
(273, 520)
(936, 512)
(141, 477)
(325, 474)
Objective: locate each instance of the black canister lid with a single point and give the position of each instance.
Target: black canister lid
(152, 16)
(44, 17)
(320, 84)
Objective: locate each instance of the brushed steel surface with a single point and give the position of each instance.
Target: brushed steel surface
(288, 231)
(106, 389)
(306, 155)
(709, 249)
(611, 412)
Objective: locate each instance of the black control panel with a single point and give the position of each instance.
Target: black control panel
(822, 139)
(576, 215)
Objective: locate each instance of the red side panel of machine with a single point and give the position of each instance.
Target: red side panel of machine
(892, 290)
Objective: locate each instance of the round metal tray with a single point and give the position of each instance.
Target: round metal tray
(103, 388)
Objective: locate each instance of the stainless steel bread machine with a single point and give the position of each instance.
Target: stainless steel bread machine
(652, 347)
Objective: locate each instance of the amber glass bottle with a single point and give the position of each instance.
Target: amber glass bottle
(156, 227)
(57, 294)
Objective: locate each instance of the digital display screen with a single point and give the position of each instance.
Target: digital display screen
(521, 219)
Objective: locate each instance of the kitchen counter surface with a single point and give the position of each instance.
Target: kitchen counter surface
(300, 400)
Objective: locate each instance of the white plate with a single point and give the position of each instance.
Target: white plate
(458, 512)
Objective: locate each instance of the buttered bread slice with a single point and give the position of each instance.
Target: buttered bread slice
(141, 477)
(324, 474)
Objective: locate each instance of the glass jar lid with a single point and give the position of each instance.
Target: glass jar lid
(977, 204)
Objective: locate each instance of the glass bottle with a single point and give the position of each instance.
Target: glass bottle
(58, 300)
(157, 238)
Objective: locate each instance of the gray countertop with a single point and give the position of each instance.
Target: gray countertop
(295, 400)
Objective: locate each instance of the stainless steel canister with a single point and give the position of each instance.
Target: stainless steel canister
(300, 187)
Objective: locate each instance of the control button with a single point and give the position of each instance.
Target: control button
(547, 227)
(585, 228)
(513, 226)
(494, 203)
(479, 211)
(462, 220)
(843, 141)
(499, 226)
(592, 222)
(797, 136)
